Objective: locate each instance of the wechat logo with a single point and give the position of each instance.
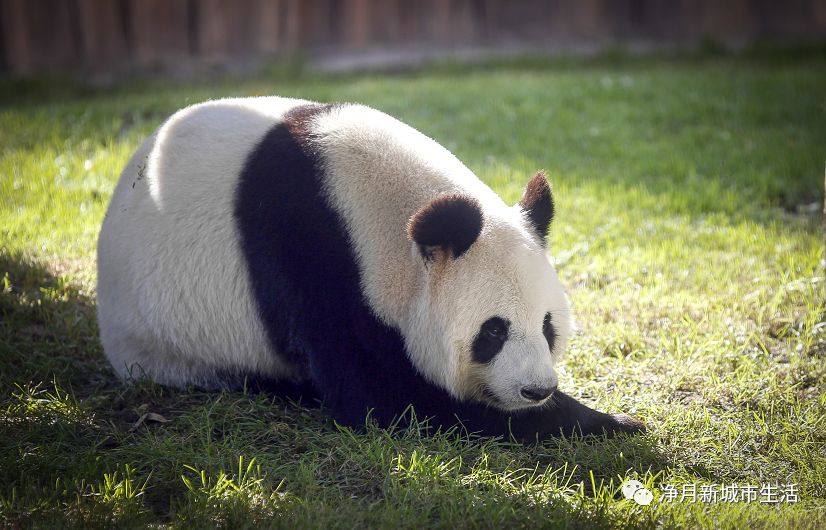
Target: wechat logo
(633, 489)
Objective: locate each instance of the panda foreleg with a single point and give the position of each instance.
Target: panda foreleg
(355, 381)
(566, 416)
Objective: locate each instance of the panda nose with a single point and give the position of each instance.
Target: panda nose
(537, 393)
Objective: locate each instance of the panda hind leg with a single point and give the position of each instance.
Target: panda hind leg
(137, 356)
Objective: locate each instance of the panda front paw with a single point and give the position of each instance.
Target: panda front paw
(608, 425)
(625, 424)
(568, 416)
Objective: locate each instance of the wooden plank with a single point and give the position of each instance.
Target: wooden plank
(433, 22)
(291, 28)
(316, 26)
(528, 21)
(39, 35)
(103, 43)
(387, 21)
(356, 21)
(589, 21)
(16, 43)
(819, 16)
(227, 29)
(410, 22)
(4, 66)
(797, 18)
(160, 30)
(269, 27)
(706, 19)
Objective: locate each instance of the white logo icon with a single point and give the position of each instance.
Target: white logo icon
(634, 489)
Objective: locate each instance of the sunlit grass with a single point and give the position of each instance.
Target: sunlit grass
(687, 234)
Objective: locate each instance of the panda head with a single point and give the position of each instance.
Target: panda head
(491, 317)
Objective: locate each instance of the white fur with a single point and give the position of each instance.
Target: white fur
(379, 173)
(169, 265)
(174, 298)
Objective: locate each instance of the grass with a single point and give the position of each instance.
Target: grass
(687, 234)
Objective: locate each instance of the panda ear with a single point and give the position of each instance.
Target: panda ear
(538, 204)
(450, 222)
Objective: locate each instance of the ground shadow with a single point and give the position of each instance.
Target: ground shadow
(47, 326)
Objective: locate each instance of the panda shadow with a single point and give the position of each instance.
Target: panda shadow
(606, 456)
(49, 322)
(609, 457)
(543, 477)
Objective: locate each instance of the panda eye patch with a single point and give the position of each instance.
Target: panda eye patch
(496, 328)
(489, 341)
(549, 331)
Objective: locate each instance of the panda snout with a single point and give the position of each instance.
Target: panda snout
(537, 393)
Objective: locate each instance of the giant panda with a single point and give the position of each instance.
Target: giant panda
(328, 252)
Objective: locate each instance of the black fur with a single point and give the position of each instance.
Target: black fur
(549, 331)
(452, 222)
(299, 391)
(490, 340)
(306, 285)
(538, 203)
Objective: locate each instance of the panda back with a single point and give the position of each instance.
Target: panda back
(174, 295)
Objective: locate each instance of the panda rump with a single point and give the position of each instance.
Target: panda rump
(314, 251)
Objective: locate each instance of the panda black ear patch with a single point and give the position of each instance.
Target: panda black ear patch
(452, 222)
(538, 204)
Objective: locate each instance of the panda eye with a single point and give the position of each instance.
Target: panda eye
(495, 328)
(490, 339)
(549, 331)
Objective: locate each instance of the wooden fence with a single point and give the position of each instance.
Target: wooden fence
(106, 35)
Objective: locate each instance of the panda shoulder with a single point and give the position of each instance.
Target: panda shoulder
(236, 119)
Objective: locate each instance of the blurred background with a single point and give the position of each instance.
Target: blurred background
(111, 37)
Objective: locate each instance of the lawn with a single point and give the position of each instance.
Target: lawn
(687, 233)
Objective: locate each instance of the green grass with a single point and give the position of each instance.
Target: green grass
(686, 235)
